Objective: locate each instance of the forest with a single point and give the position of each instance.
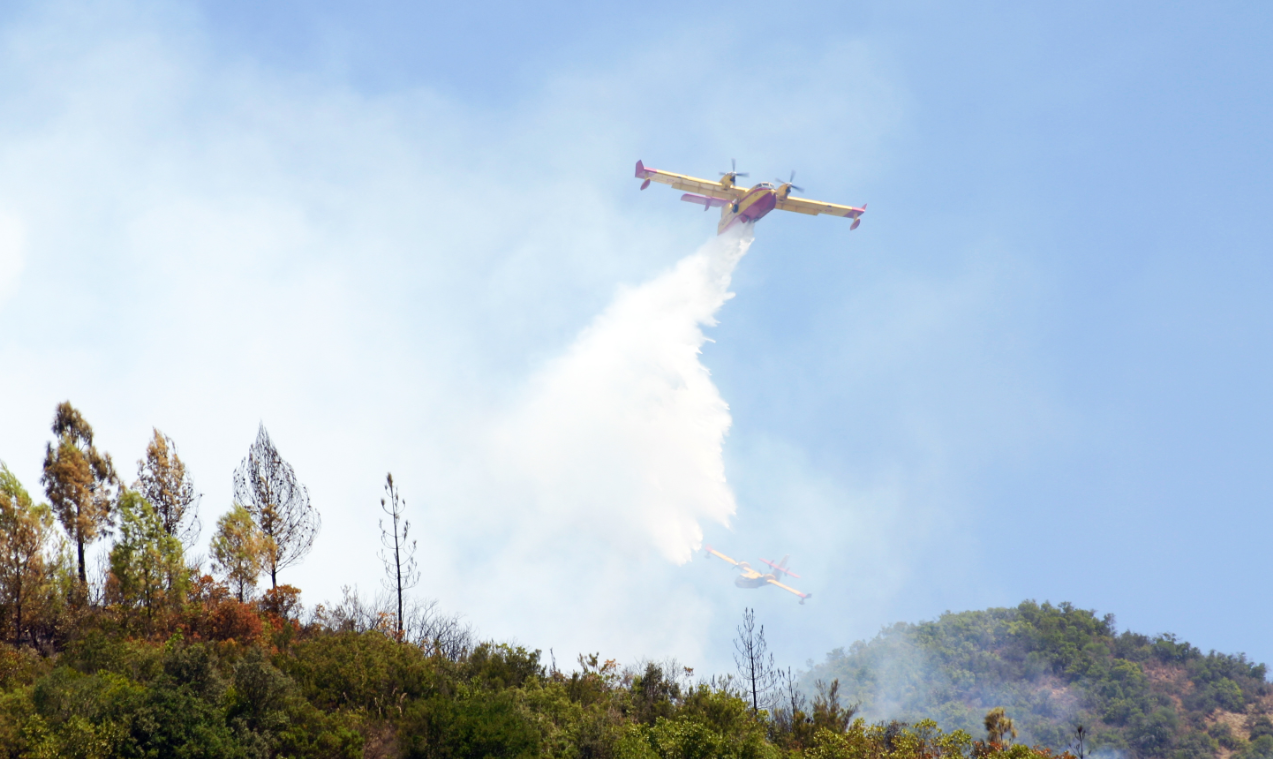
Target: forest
(1057, 667)
(152, 654)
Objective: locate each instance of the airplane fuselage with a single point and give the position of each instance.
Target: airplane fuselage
(750, 578)
(750, 208)
(752, 582)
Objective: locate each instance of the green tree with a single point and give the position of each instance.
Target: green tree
(472, 723)
(240, 550)
(24, 533)
(147, 562)
(1259, 748)
(79, 481)
(999, 727)
(162, 480)
(268, 488)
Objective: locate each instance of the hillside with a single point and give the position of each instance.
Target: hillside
(1056, 667)
(206, 675)
(149, 655)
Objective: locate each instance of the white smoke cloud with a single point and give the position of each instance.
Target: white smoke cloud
(208, 245)
(623, 434)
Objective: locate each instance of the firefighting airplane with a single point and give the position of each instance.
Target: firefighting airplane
(750, 578)
(740, 206)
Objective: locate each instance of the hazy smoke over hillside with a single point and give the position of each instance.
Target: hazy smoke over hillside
(623, 433)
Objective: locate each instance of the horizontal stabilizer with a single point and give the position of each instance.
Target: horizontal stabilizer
(704, 201)
(781, 567)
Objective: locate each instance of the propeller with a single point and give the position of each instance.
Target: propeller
(790, 181)
(733, 170)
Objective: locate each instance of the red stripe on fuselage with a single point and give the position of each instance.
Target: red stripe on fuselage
(753, 206)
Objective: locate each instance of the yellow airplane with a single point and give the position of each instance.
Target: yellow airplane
(743, 206)
(750, 578)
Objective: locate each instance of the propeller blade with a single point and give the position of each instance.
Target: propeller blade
(790, 182)
(733, 170)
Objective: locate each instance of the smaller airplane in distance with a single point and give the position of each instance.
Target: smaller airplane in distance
(750, 578)
(742, 206)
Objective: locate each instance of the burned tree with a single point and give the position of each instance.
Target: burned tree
(25, 529)
(398, 553)
(755, 664)
(1079, 747)
(267, 487)
(163, 481)
(79, 481)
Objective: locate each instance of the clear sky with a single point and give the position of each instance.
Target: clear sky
(1039, 369)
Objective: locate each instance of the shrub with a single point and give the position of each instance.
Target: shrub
(231, 620)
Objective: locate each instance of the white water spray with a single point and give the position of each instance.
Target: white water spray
(623, 434)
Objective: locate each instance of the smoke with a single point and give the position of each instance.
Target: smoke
(915, 672)
(622, 435)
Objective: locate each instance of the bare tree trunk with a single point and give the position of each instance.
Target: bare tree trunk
(402, 569)
(397, 568)
(79, 547)
(17, 622)
(755, 669)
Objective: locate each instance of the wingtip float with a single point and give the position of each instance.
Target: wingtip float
(750, 578)
(745, 206)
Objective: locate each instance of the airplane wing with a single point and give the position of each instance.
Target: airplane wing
(815, 207)
(790, 589)
(687, 183)
(714, 552)
(744, 567)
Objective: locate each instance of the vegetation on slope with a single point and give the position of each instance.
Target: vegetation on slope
(1057, 667)
(148, 655)
(221, 678)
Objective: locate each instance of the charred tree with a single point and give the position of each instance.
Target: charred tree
(79, 481)
(755, 664)
(24, 532)
(398, 552)
(163, 481)
(268, 488)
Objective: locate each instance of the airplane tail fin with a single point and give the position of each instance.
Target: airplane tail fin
(642, 173)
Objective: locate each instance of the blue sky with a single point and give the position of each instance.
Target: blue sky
(1038, 369)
